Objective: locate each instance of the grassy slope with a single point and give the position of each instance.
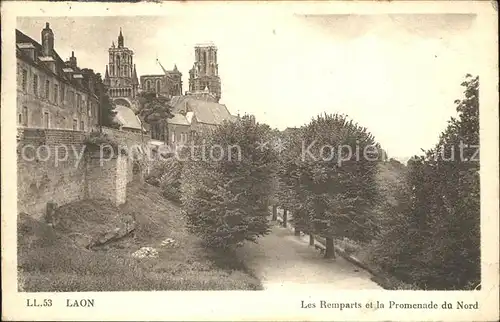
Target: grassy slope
(54, 259)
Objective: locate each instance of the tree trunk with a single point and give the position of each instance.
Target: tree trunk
(285, 217)
(311, 239)
(275, 213)
(330, 250)
(165, 133)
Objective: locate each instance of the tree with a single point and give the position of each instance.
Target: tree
(226, 197)
(337, 172)
(107, 107)
(155, 109)
(291, 194)
(433, 240)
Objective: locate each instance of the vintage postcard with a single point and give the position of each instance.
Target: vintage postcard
(255, 161)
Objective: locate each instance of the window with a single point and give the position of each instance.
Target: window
(47, 89)
(35, 85)
(82, 126)
(20, 119)
(24, 79)
(78, 103)
(148, 85)
(25, 116)
(63, 92)
(75, 124)
(72, 98)
(158, 86)
(56, 93)
(89, 108)
(46, 121)
(173, 137)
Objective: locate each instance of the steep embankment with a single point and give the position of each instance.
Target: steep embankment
(57, 259)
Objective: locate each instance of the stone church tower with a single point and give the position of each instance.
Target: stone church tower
(204, 76)
(121, 76)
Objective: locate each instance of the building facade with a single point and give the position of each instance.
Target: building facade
(169, 83)
(191, 117)
(198, 111)
(120, 77)
(204, 76)
(52, 93)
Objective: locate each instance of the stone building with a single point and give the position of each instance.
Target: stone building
(198, 110)
(192, 117)
(205, 72)
(52, 93)
(169, 83)
(120, 77)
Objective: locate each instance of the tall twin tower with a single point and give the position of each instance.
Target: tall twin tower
(204, 76)
(122, 82)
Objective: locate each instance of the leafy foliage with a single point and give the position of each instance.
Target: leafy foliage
(95, 140)
(326, 178)
(432, 236)
(107, 106)
(226, 197)
(153, 107)
(165, 173)
(170, 180)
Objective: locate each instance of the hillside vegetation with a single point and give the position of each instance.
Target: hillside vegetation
(55, 259)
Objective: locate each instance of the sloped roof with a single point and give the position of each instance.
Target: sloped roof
(22, 38)
(204, 111)
(175, 101)
(178, 119)
(127, 118)
(209, 112)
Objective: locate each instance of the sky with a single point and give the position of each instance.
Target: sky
(397, 75)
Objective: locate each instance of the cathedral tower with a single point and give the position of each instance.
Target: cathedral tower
(121, 76)
(204, 76)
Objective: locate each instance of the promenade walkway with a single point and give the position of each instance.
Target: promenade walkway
(282, 260)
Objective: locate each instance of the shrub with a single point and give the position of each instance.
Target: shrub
(95, 140)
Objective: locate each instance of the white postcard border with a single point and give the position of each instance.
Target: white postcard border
(255, 305)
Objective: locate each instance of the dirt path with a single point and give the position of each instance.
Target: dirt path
(283, 260)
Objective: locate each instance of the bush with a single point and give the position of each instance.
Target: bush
(166, 174)
(95, 140)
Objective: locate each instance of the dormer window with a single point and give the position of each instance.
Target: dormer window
(28, 49)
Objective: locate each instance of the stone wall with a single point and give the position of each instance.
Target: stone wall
(132, 140)
(53, 166)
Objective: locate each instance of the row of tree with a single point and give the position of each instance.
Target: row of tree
(326, 178)
(420, 221)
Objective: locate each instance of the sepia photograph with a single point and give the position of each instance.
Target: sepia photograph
(253, 151)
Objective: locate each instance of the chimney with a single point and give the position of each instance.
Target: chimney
(72, 60)
(89, 77)
(47, 41)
